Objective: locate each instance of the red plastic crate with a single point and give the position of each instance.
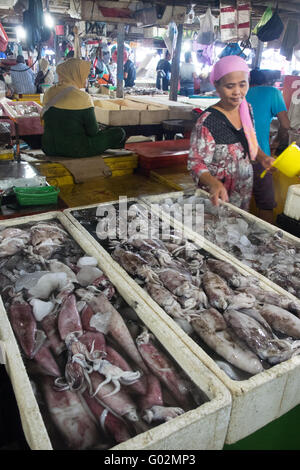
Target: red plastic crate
(162, 154)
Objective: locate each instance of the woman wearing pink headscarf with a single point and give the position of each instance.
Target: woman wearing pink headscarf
(224, 143)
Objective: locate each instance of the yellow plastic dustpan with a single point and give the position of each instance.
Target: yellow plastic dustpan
(288, 161)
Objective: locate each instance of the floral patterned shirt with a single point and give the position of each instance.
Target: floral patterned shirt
(218, 147)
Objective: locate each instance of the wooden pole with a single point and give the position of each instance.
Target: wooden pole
(120, 55)
(258, 54)
(175, 66)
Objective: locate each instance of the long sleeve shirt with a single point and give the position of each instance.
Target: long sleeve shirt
(22, 79)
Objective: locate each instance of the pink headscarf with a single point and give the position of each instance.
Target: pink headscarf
(234, 63)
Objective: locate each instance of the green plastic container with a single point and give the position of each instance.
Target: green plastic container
(36, 196)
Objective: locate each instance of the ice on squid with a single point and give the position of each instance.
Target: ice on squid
(87, 261)
(87, 275)
(41, 309)
(47, 284)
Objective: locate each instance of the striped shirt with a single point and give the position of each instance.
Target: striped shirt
(22, 82)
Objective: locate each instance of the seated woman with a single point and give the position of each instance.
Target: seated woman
(70, 126)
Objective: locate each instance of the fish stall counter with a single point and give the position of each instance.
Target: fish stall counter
(204, 296)
(23, 117)
(14, 174)
(82, 352)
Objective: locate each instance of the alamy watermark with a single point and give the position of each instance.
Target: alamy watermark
(125, 220)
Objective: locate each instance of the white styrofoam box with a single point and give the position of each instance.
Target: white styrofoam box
(11, 106)
(202, 428)
(256, 401)
(249, 217)
(129, 112)
(117, 117)
(292, 203)
(176, 109)
(153, 115)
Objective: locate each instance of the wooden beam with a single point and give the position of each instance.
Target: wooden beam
(284, 6)
(120, 60)
(258, 54)
(175, 66)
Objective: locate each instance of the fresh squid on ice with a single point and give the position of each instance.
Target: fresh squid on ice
(225, 270)
(281, 320)
(213, 329)
(108, 421)
(165, 299)
(259, 340)
(216, 290)
(269, 297)
(45, 359)
(74, 423)
(50, 327)
(107, 319)
(24, 325)
(13, 240)
(68, 319)
(139, 385)
(120, 403)
(163, 368)
(152, 404)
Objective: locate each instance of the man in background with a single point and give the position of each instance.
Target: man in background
(267, 103)
(163, 72)
(129, 73)
(22, 77)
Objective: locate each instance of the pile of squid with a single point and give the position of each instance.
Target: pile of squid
(245, 328)
(268, 253)
(99, 375)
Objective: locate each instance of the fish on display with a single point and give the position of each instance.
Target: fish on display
(96, 377)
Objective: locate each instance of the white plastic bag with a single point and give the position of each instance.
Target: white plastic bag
(170, 37)
(206, 33)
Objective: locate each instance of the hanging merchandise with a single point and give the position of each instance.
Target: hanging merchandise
(290, 39)
(228, 20)
(190, 17)
(3, 39)
(264, 19)
(204, 53)
(243, 19)
(272, 29)
(232, 49)
(206, 33)
(235, 16)
(170, 38)
(33, 22)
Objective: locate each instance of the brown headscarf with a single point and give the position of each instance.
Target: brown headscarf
(71, 73)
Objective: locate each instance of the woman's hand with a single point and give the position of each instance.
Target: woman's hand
(217, 191)
(216, 188)
(265, 160)
(267, 163)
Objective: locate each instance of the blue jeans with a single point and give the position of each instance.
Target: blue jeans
(186, 88)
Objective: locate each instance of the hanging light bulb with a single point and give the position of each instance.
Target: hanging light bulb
(48, 20)
(20, 33)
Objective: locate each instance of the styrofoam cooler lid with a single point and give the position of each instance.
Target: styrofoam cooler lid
(292, 203)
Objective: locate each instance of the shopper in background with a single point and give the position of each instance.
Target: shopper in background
(129, 73)
(163, 72)
(44, 76)
(267, 103)
(70, 126)
(223, 142)
(187, 74)
(22, 77)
